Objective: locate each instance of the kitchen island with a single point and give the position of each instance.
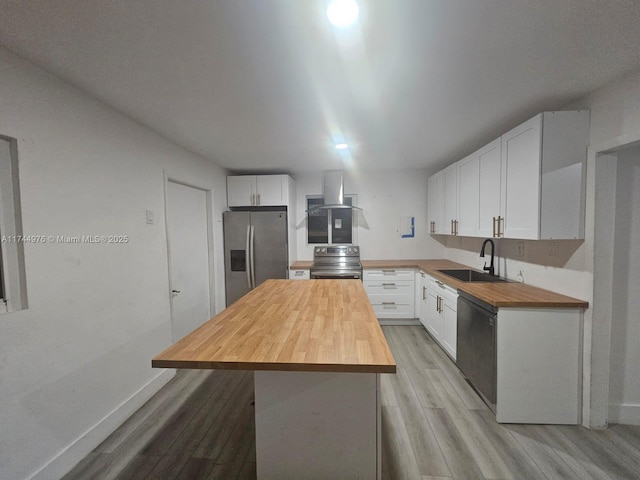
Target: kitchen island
(317, 351)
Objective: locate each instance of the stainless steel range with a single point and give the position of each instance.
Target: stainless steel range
(336, 261)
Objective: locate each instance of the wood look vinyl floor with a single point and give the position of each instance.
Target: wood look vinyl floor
(434, 427)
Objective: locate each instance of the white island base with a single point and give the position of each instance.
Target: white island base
(317, 425)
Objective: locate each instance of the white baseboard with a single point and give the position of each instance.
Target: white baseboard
(399, 321)
(69, 456)
(626, 414)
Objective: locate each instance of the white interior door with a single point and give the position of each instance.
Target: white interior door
(188, 236)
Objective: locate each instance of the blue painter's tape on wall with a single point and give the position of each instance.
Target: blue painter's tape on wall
(407, 227)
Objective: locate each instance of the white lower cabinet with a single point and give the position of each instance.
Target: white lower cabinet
(538, 356)
(440, 317)
(299, 274)
(422, 296)
(391, 292)
(449, 307)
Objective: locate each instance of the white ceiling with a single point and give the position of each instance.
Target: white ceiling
(264, 85)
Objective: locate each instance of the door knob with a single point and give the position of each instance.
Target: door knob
(175, 291)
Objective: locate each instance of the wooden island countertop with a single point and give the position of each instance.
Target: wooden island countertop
(289, 325)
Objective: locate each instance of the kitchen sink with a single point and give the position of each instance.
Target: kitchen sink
(471, 276)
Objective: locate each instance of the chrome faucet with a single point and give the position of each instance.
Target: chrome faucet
(493, 248)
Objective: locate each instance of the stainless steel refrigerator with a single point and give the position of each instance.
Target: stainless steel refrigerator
(255, 249)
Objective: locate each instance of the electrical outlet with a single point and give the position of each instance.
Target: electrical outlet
(520, 249)
(553, 249)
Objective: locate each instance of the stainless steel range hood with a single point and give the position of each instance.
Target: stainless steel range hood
(333, 191)
(333, 188)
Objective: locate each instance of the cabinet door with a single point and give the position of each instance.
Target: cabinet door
(468, 182)
(434, 319)
(521, 149)
(241, 190)
(450, 198)
(489, 187)
(422, 300)
(435, 203)
(271, 190)
(449, 325)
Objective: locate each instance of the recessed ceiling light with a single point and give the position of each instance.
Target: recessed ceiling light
(341, 146)
(343, 13)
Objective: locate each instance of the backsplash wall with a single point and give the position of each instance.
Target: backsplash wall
(556, 265)
(385, 196)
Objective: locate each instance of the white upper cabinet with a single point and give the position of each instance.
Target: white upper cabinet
(241, 190)
(468, 195)
(521, 180)
(527, 184)
(489, 188)
(451, 199)
(258, 190)
(563, 174)
(435, 203)
(543, 165)
(272, 189)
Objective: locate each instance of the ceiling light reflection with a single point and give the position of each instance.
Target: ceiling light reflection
(342, 13)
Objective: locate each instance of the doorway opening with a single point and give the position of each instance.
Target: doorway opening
(616, 317)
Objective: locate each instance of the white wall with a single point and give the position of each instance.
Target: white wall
(624, 381)
(97, 313)
(385, 196)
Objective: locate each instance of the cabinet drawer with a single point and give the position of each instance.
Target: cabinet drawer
(441, 289)
(391, 291)
(299, 274)
(390, 274)
(393, 310)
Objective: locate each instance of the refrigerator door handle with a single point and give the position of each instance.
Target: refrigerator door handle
(253, 259)
(248, 256)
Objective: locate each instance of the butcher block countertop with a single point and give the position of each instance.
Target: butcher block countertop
(501, 294)
(508, 294)
(301, 265)
(289, 325)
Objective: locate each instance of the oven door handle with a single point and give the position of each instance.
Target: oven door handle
(326, 273)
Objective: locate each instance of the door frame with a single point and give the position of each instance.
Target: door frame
(601, 169)
(208, 190)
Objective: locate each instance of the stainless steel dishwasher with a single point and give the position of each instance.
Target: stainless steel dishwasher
(476, 354)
